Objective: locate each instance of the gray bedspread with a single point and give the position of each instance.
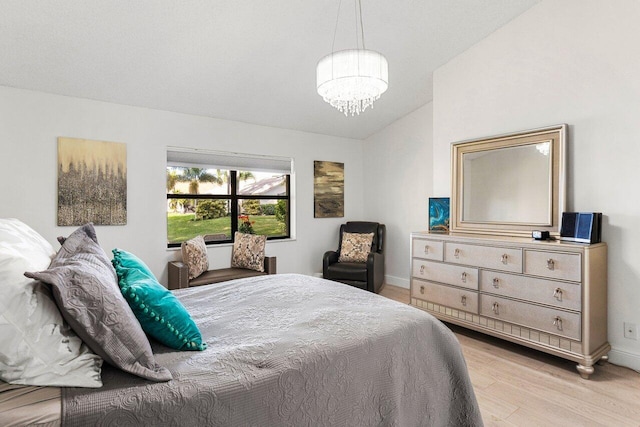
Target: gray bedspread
(293, 350)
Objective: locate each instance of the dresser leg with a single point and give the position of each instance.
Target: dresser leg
(585, 371)
(603, 360)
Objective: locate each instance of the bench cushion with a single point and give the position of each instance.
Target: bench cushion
(178, 274)
(222, 275)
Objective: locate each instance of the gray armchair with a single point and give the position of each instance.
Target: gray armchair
(367, 275)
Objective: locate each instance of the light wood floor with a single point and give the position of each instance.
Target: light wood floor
(517, 386)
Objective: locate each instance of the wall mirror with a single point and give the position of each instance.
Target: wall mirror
(509, 184)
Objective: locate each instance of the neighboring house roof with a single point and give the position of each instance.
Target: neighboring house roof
(268, 186)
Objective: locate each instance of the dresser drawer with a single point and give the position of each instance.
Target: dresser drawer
(459, 299)
(428, 249)
(465, 277)
(550, 320)
(505, 259)
(559, 294)
(555, 265)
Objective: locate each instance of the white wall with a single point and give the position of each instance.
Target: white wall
(574, 62)
(31, 122)
(398, 184)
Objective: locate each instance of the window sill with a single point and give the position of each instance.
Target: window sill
(223, 245)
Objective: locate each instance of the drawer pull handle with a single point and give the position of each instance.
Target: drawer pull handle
(463, 277)
(494, 308)
(463, 300)
(422, 267)
(456, 253)
(505, 259)
(426, 249)
(557, 294)
(557, 322)
(550, 264)
(496, 282)
(422, 289)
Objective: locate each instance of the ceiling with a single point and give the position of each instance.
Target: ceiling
(251, 61)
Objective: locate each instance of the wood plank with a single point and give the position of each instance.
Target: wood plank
(494, 408)
(533, 410)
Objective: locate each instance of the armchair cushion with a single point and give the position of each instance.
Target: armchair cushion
(355, 247)
(352, 271)
(194, 254)
(248, 251)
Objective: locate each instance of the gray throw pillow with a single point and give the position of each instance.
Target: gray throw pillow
(85, 287)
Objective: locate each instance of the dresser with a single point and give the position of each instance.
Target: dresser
(547, 295)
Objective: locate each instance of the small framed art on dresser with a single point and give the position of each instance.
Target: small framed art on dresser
(439, 214)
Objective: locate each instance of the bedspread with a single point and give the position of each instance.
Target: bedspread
(293, 350)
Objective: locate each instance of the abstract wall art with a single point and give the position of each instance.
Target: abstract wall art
(92, 182)
(328, 189)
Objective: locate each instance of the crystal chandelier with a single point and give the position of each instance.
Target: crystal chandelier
(351, 80)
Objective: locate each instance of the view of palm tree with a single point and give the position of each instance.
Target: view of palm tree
(189, 216)
(194, 176)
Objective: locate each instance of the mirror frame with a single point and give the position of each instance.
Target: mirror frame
(557, 135)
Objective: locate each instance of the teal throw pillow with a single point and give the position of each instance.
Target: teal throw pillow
(123, 259)
(161, 315)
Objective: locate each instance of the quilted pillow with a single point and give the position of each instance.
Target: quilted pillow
(355, 247)
(159, 312)
(248, 251)
(38, 347)
(194, 255)
(86, 289)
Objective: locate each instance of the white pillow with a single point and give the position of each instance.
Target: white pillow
(37, 347)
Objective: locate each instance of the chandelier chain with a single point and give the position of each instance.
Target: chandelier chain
(358, 15)
(335, 30)
(361, 25)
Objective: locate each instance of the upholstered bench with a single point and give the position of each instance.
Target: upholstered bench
(247, 259)
(179, 274)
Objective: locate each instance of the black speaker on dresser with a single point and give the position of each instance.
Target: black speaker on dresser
(583, 227)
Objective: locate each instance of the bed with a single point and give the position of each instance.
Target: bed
(291, 350)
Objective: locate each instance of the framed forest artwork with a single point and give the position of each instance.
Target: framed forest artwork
(92, 182)
(328, 189)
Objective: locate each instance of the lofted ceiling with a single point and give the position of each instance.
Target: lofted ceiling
(251, 61)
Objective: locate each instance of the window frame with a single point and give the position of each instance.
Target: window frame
(234, 199)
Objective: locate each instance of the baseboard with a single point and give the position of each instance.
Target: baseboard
(390, 280)
(396, 281)
(624, 358)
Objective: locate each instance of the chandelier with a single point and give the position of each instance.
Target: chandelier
(351, 80)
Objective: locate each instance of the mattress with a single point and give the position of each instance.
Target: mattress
(29, 405)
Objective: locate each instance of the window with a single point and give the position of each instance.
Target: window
(216, 194)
